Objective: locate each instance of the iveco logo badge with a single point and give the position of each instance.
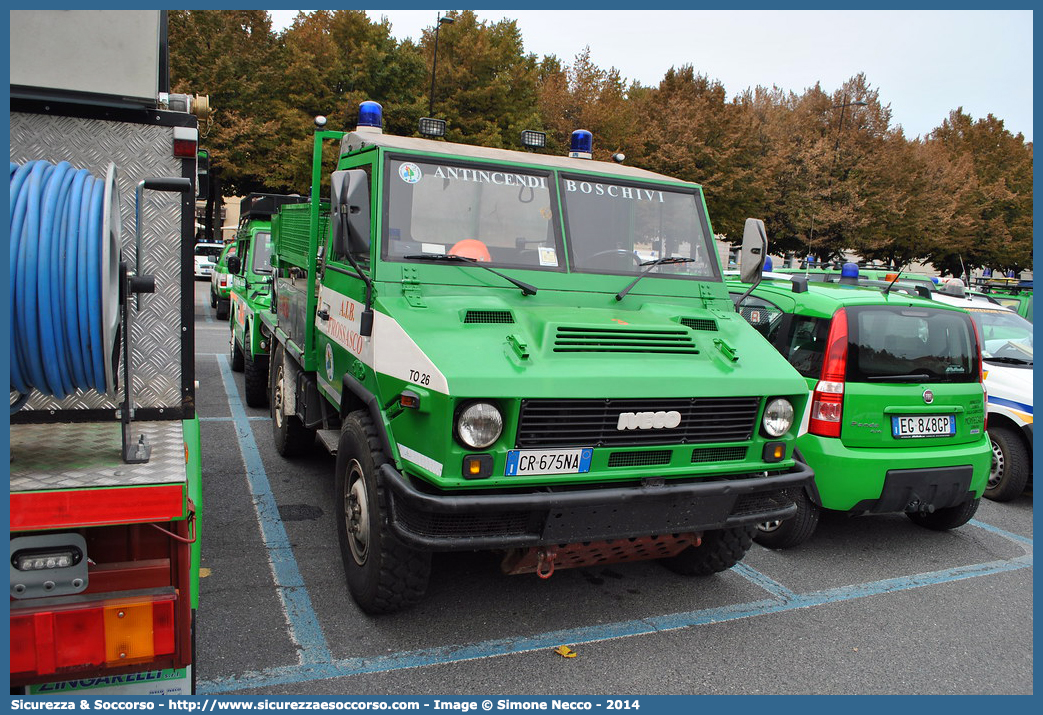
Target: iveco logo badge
(648, 420)
(928, 396)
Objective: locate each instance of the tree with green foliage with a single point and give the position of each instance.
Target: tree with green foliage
(486, 84)
(826, 170)
(994, 222)
(232, 56)
(688, 129)
(585, 96)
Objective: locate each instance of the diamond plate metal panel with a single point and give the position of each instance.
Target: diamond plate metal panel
(89, 455)
(139, 152)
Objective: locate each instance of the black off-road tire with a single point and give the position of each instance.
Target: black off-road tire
(213, 298)
(793, 531)
(945, 519)
(384, 575)
(721, 549)
(289, 434)
(1009, 473)
(235, 356)
(223, 307)
(255, 373)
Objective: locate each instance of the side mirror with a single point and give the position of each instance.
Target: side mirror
(233, 264)
(202, 175)
(349, 211)
(754, 249)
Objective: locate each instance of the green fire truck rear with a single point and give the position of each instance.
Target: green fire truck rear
(523, 353)
(105, 476)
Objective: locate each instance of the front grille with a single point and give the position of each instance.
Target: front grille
(432, 525)
(699, 323)
(488, 316)
(609, 340)
(593, 423)
(718, 454)
(639, 459)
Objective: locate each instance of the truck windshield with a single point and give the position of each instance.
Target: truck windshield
(614, 227)
(262, 259)
(496, 214)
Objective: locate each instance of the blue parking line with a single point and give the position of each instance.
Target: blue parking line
(1001, 532)
(302, 621)
(769, 584)
(290, 675)
(232, 419)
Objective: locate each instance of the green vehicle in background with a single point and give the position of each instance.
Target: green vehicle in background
(1010, 293)
(221, 283)
(529, 354)
(251, 292)
(896, 421)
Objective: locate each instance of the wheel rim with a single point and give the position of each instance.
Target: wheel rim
(996, 473)
(769, 526)
(277, 399)
(356, 514)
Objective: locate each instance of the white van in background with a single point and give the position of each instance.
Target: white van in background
(206, 258)
(1007, 354)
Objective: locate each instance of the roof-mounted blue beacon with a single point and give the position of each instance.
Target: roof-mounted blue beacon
(581, 145)
(849, 274)
(371, 117)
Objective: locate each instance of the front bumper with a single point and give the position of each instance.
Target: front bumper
(456, 522)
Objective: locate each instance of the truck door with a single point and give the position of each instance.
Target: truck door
(342, 296)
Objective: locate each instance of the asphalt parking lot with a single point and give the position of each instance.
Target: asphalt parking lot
(870, 605)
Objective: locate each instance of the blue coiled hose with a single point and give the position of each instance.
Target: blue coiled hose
(56, 277)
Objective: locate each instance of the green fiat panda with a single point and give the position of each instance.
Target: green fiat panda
(896, 420)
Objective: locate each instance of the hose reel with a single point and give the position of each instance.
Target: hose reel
(69, 289)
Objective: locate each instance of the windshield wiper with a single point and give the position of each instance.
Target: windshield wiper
(917, 377)
(526, 289)
(1008, 360)
(652, 264)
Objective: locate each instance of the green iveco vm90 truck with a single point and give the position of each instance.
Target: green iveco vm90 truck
(524, 353)
(251, 293)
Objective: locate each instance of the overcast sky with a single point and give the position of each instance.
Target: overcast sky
(923, 63)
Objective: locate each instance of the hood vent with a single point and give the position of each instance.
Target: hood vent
(700, 323)
(608, 340)
(488, 316)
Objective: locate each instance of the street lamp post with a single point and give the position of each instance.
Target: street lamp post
(434, 61)
(836, 149)
(840, 128)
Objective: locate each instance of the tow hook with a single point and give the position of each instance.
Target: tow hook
(918, 507)
(545, 558)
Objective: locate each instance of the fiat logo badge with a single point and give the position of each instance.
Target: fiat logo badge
(928, 396)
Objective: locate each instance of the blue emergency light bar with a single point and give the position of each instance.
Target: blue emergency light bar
(371, 114)
(581, 144)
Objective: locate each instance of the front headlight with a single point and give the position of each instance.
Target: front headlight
(479, 425)
(778, 417)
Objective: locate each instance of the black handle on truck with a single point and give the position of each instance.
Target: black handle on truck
(169, 183)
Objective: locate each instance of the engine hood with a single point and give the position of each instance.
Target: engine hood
(582, 345)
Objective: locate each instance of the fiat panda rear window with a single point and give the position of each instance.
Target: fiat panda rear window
(895, 344)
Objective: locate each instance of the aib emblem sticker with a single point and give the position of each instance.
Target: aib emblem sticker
(329, 362)
(410, 173)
